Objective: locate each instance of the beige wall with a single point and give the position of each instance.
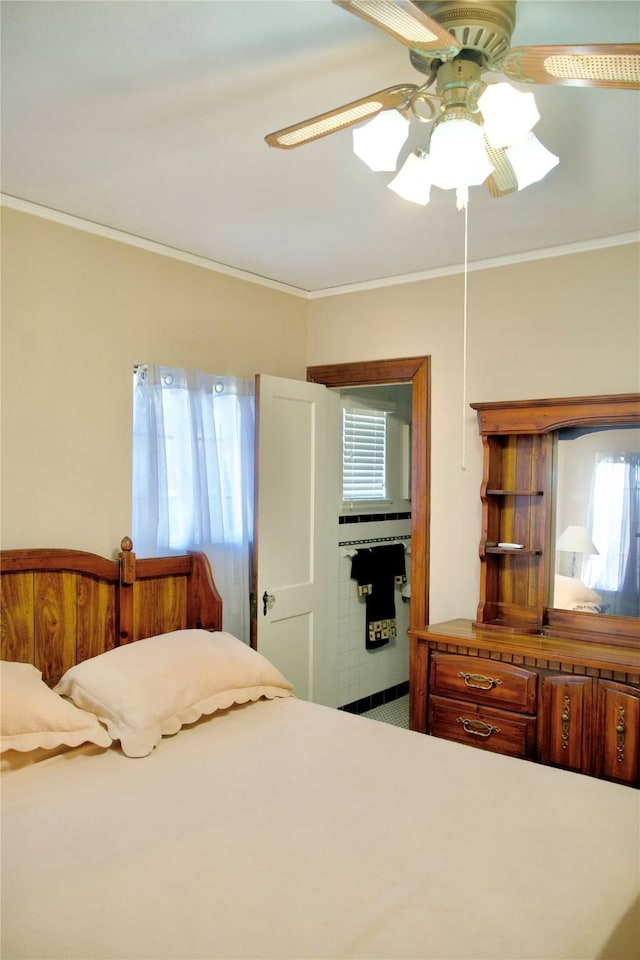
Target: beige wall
(77, 311)
(567, 326)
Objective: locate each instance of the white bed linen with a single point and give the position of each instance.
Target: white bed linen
(282, 829)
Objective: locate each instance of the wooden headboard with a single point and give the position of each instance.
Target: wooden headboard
(60, 607)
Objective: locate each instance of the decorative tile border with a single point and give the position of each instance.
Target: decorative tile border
(377, 699)
(372, 517)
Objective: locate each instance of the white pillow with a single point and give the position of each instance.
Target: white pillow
(150, 688)
(33, 717)
(570, 590)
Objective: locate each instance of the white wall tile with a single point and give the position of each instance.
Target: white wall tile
(368, 671)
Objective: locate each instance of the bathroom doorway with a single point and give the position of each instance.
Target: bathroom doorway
(415, 371)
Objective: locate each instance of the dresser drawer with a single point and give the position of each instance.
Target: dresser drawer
(482, 727)
(483, 681)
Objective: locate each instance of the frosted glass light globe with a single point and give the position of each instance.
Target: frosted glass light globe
(413, 181)
(378, 142)
(531, 161)
(508, 114)
(458, 155)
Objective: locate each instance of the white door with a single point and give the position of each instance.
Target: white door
(294, 451)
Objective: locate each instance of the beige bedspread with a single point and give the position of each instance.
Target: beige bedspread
(282, 829)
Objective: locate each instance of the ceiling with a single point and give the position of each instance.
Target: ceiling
(148, 117)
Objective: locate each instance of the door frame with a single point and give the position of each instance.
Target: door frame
(417, 372)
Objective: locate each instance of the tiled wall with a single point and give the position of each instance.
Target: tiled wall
(363, 672)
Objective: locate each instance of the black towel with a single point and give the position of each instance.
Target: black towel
(377, 570)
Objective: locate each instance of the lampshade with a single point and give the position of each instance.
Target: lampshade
(458, 157)
(413, 180)
(530, 161)
(508, 114)
(576, 540)
(379, 141)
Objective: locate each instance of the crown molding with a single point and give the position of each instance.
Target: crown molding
(120, 236)
(547, 253)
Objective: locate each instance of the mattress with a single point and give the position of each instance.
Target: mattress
(284, 829)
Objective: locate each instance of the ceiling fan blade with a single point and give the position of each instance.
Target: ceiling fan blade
(341, 117)
(615, 65)
(503, 179)
(404, 21)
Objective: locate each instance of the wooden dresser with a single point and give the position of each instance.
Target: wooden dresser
(563, 702)
(560, 686)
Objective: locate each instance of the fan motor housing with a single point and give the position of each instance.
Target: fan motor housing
(483, 27)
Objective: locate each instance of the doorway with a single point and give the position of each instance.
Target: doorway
(416, 371)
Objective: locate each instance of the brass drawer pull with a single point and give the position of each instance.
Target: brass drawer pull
(478, 682)
(620, 734)
(477, 728)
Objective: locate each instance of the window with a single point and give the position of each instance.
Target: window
(364, 453)
(200, 495)
(193, 441)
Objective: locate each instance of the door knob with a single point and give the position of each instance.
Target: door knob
(268, 601)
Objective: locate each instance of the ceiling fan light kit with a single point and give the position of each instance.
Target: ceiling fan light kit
(481, 131)
(469, 144)
(470, 117)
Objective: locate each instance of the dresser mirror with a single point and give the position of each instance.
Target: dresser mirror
(596, 523)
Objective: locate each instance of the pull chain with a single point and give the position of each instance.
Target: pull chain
(464, 338)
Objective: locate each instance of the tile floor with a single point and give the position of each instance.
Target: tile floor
(395, 712)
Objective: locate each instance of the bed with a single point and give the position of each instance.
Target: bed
(247, 823)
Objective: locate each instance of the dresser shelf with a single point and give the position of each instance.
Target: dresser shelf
(506, 552)
(515, 493)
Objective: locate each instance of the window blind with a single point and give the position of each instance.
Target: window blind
(364, 450)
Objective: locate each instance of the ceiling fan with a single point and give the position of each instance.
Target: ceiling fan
(454, 44)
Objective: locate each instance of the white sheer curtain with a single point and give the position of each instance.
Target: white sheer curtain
(193, 464)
